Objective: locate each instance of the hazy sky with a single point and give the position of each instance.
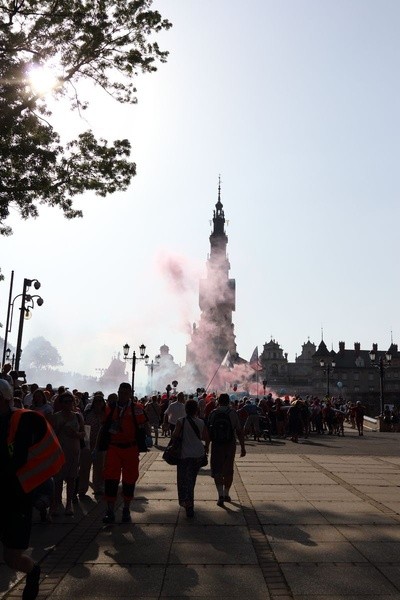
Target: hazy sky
(296, 104)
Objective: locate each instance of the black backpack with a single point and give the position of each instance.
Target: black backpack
(221, 430)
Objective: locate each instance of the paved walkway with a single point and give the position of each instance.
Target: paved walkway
(317, 520)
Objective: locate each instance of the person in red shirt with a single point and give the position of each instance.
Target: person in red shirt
(211, 404)
(122, 421)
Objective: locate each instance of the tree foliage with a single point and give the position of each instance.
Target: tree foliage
(39, 354)
(107, 42)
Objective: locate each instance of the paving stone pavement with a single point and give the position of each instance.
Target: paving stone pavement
(308, 521)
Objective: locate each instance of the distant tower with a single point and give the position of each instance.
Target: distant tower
(214, 336)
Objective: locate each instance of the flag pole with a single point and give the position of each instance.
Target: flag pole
(219, 366)
(213, 377)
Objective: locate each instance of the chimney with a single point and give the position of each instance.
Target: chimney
(357, 347)
(341, 347)
(375, 348)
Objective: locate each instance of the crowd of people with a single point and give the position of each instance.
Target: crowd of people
(96, 442)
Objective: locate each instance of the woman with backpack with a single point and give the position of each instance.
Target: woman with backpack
(192, 431)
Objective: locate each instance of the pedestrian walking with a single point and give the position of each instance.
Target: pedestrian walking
(91, 458)
(175, 411)
(29, 455)
(295, 424)
(192, 431)
(40, 404)
(70, 430)
(224, 427)
(121, 438)
(153, 414)
(359, 417)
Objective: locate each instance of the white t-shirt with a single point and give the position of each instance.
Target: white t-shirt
(192, 446)
(175, 411)
(28, 399)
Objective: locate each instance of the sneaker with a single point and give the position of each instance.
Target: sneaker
(220, 501)
(227, 499)
(109, 517)
(126, 515)
(31, 588)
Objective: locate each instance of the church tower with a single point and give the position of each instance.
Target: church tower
(214, 336)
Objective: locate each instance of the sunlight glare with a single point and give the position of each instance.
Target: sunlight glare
(42, 79)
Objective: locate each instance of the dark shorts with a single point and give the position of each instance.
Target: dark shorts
(15, 524)
(222, 458)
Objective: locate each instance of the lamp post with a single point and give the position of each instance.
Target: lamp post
(264, 384)
(8, 327)
(25, 313)
(382, 364)
(151, 366)
(327, 368)
(8, 357)
(134, 358)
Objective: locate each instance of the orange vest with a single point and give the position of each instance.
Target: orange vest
(45, 458)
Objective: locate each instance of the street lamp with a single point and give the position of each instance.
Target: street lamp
(134, 358)
(326, 369)
(25, 313)
(154, 364)
(8, 357)
(382, 364)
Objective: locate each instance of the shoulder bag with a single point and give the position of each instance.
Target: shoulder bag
(173, 451)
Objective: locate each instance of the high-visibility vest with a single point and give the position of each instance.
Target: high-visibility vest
(45, 458)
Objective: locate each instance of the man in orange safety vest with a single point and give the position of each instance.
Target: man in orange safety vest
(29, 455)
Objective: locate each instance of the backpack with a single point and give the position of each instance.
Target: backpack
(221, 430)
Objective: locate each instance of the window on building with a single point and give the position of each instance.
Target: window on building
(344, 376)
(356, 376)
(371, 388)
(356, 388)
(370, 377)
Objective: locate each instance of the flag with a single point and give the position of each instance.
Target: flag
(254, 360)
(227, 361)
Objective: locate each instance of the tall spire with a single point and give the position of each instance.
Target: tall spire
(219, 216)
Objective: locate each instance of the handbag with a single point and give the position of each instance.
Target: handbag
(173, 451)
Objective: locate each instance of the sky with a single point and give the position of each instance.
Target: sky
(295, 104)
